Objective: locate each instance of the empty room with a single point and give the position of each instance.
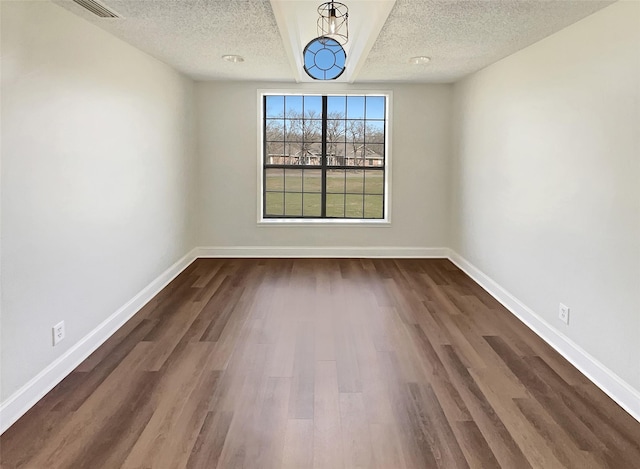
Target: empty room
(315, 234)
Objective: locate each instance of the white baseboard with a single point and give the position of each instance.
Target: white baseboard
(28, 395)
(35, 389)
(325, 251)
(615, 387)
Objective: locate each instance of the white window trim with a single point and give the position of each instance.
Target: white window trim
(384, 222)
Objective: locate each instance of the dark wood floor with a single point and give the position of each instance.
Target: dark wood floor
(324, 363)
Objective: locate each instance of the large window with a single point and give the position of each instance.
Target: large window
(324, 157)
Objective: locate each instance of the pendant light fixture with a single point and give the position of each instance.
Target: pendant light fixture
(324, 58)
(334, 21)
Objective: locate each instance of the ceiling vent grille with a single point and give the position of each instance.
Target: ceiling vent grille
(97, 9)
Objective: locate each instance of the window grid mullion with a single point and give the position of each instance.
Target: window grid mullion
(291, 138)
(323, 160)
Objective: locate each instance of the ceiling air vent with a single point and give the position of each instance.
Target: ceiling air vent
(97, 9)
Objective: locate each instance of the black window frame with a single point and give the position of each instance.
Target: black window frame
(378, 162)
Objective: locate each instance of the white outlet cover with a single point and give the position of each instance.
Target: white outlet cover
(58, 332)
(563, 313)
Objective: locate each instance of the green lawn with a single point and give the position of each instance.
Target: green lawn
(296, 192)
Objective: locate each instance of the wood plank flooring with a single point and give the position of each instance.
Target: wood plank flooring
(324, 363)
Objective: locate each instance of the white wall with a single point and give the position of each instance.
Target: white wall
(227, 122)
(546, 193)
(99, 194)
(96, 168)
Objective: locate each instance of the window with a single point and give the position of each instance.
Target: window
(324, 157)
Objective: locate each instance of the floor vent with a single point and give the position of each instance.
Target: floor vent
(97, 9)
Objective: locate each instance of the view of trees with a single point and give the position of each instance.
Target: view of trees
(296, 184)
(297, 138)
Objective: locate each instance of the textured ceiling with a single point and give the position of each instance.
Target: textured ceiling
(461, 37)
(193, 35)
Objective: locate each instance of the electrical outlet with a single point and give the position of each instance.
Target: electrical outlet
(58, 332)
(563, 313)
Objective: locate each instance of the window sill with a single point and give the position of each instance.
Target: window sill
(316, 222)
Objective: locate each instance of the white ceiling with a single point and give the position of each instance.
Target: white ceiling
(460, 36)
